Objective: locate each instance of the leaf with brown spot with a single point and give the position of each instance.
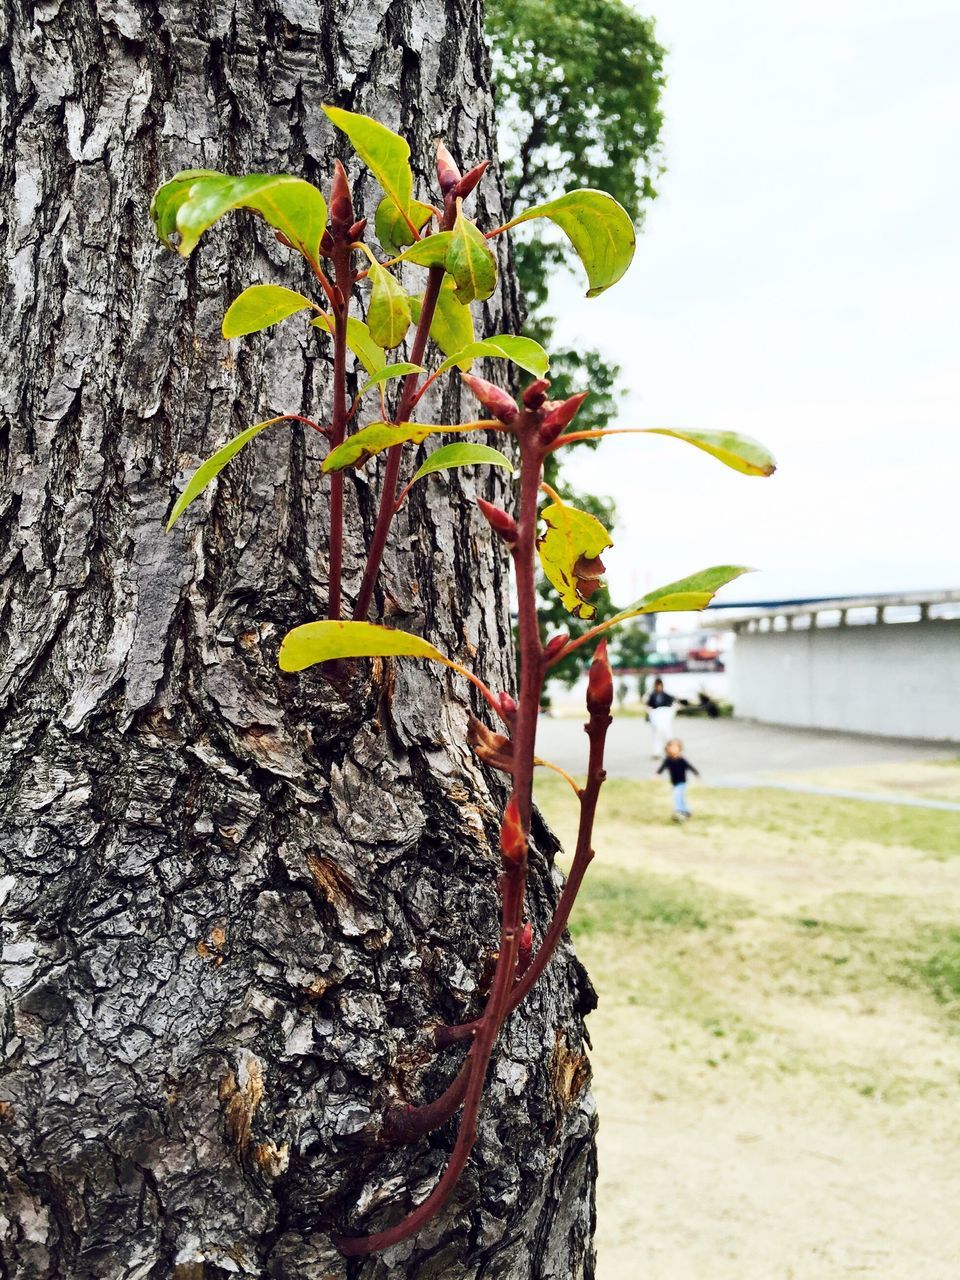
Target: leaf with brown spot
(569, 551)
(494, 749)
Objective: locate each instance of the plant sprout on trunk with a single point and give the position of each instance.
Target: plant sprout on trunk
(448, 244)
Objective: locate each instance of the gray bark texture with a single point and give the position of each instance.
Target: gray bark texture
(233, 900)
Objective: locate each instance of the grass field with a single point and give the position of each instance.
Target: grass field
(777, 1048)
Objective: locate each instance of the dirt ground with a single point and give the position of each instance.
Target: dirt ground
(777, 1048)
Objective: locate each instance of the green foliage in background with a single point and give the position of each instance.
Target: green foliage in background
(578, 85)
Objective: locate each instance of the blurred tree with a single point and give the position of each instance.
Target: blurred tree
(578, 86)
(630, 646)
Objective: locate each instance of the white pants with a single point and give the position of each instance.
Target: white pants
(661, 722)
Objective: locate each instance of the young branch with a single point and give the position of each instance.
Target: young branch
(514, 840)
(338, 426)
(408, 397)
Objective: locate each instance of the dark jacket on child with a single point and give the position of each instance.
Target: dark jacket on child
(678, 767)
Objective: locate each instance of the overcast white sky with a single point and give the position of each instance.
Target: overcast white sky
(798, 280)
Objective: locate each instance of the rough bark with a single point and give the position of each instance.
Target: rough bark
(234, 899)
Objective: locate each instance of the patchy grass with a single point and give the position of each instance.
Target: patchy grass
(777, 1035)
(940, 970)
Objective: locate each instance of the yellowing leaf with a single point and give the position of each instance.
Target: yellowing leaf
(194, 199)
(384, 152)
(524, 352)
(212, 467)
(261, 306)
(462, 455)
(470, 262)
(599, 229)
(324, 641)
(358, 340)
(388, 315)
(569, 553)
(742, 453)
(363, 444)
(391, 226)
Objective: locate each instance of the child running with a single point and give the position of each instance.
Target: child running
(678, 768)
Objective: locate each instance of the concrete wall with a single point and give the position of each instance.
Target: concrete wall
(895, 679)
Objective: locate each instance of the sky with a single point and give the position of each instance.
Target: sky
(797, 280)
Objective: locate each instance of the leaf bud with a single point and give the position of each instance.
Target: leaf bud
(600, 683)
(559, 416)
(513, 843)
(499, 402)
(508, 705)
(341, 204)
(357, 230)
(499, 521)
(525, 948)
(554, 645)
(470, 179)
(448, 175)
(535, 395)
(326, 242)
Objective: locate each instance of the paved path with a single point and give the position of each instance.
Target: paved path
(741, 753)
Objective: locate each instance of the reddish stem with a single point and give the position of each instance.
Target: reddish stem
(408, 398)
(469, 1084)
(596, 729)
(388, 497)
(338, 427)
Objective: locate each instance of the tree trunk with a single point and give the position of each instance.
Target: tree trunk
(234, 900)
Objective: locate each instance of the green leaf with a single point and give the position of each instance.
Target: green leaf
(323, 641)
(693, 593)
(212, 467)
(363, 444)
(569, 553)
(599, 229)
(194, 199)
(390, 371)
(470, 261)
(452, 327)
(742, 453)
(461, 455)
(388, 315)
(261, 306)
(391, 227)
(358, 340)
(431, 251)
(524, 352)
(384, 152)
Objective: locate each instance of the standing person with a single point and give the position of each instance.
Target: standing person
(660, 713)
(678, 767)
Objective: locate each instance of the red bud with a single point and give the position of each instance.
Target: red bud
(326, 242)
(536, 393)
(559, 416)
(357, 230)
(525, 948)
(499, 521)
(470, 179)
(500, 403)
(448, 175)
(554, 645)
(600, 683)
(508, 705)
(341, 203)
(513, 843)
